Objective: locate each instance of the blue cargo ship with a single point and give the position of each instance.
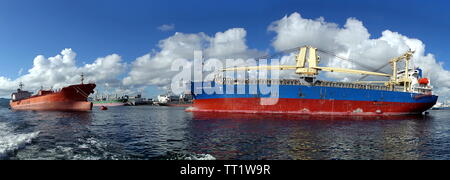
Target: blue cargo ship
(406, 91)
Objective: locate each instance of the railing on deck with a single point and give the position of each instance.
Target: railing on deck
(300, 82)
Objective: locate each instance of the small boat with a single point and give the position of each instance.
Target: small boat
(174, 101)
(441, 106)
(115, 102)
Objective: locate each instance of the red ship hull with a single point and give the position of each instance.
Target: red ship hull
(309, 106)
(72, 98)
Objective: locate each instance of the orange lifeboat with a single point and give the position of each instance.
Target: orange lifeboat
(424, 81)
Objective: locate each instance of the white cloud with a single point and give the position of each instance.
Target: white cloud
(230, 44)
(61, 70)
(20, 72)
(167, 27)
(155, 68)
(353, 41)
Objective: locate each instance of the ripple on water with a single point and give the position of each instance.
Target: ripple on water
(11, 141)
(162, 133)
(185, 156)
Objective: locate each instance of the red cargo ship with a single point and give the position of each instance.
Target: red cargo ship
(71, 98)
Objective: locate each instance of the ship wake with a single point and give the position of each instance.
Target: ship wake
(11, 142)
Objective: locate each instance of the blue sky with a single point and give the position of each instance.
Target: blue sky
(96, 28)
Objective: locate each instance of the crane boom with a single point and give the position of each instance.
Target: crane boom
(329, 69)
(307, 56)
(352, 71)
(252, 68)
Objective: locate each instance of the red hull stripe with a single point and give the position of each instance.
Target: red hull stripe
(55, 106)
(308, 106)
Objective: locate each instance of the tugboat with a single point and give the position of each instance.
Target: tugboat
(71, 98)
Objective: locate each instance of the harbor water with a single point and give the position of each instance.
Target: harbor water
(170, 133)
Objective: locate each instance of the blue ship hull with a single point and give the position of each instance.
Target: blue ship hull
(305, 99)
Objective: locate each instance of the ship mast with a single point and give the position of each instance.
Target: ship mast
(82, 78)
(21, 86)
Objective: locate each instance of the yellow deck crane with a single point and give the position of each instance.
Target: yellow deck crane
(405, 80)
(309, 66)
(395, 80)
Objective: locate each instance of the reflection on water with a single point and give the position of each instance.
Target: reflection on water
(267, 136)
(296, 117)
(147, 132)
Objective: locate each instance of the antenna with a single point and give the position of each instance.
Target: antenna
(82, 78)
(21, 85)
